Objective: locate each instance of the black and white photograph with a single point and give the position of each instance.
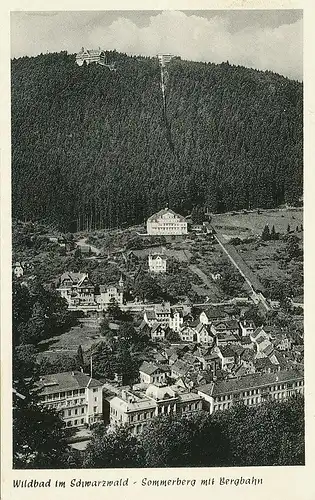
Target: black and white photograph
(157, 239)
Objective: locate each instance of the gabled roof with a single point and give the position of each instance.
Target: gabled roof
(90, 52)
(156, 326)
(164, 211)
(149, 368)
(261, 363)
(154, 256)
(181, 367)
(229, 324)
(65, 381)
(76, 278)
(238, 349)
(259, 331)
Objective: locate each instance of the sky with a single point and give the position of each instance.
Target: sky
(266, 40)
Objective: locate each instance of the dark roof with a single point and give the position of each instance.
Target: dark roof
(229, 324)
(227, 352)
(257, 332)
(253, 380)
(237, 349)
(268, 350)
(262, 363)
(181, 367)
(65, 381)
(150, 313)
(213, 312)
(149, 368)
(246, 340)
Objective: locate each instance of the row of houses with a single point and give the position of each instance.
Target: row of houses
(145, 401)
(80, 292)
(80, 399)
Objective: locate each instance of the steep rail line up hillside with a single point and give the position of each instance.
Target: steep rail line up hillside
(92, 148)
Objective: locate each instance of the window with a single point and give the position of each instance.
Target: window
(62, 394)
(69, 393)
(82, 391)
(69, 423)
(76, 411)
(95, 399)
(95, 390)
(75, 392)
(82, 420)
(75, 422)
(82, 410)
(69, 413)
(95, 409)
(75, 401)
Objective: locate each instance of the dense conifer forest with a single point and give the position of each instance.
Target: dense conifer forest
(91, 147)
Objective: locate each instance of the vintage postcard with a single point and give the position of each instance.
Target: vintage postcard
(156, 250)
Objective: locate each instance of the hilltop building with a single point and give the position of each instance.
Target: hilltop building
(77, 397)
(90, 56)
(165, 58)
(165, 223)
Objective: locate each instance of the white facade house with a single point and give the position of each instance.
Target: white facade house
(77, 289)
(188, 334)
(247, 327)
(18, 269)
(151, 373)
(77, 397)
(157, 263)
(161, 314)
(111, 293)
(176, 321)
(166, 223)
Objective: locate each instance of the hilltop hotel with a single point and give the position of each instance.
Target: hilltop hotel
(166, 223)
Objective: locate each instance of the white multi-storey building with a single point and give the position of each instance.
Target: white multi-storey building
(252, 389)
(77, 289)
(77, 397)
(166, 223)
(165, 58)
(90, 56)
(137, 409)
(111, 293)
(157, 263)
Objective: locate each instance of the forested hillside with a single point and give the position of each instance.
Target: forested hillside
(91, 147)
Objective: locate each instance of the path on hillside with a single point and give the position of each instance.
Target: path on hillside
(201, 275)
(251, 279)
(83, 243)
